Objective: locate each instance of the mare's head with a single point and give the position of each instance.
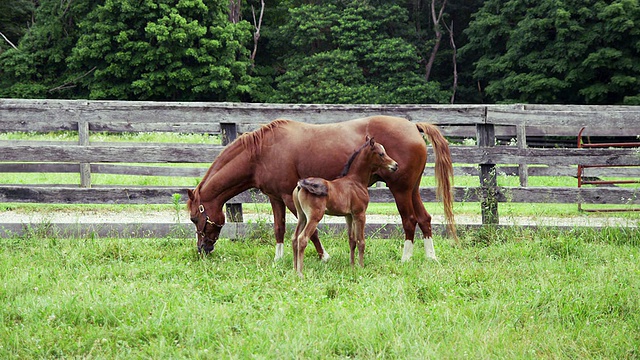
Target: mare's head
(208, 221)
(374, 154)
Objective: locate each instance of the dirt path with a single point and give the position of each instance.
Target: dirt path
(170, 217)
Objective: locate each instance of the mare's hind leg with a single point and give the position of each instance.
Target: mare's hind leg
(404, 203)
(424, 221)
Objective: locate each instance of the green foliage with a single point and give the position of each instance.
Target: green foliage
(39, 64)
(557, 51)
(350, 52)
(14, 16)
(548, 51)
(163, 50)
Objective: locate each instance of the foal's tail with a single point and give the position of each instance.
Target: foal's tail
(444, 172)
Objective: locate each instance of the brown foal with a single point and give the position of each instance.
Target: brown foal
(345, 196)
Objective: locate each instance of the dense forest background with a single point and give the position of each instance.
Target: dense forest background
(332, 51)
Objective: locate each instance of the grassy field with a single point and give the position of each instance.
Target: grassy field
(501, 294)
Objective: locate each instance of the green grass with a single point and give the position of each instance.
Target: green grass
(502, 294)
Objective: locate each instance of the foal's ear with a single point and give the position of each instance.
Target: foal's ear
(371, 141)
(191, 194)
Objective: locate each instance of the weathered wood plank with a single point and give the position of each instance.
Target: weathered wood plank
(552, 157)
(172, 127)
(123, 153)
(164, 195)
(198, 153)
(562, 107)
(561, 195)
(628, 121)
(240, 113)
(200, 171)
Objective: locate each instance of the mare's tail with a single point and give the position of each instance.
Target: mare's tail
(444, 172)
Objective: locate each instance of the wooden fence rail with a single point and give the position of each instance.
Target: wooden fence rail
(482, 124)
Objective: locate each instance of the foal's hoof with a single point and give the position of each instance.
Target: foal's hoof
(325, 257)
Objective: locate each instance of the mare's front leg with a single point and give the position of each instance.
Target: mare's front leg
(279, 227)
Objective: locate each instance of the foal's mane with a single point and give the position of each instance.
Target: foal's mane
(347, 166)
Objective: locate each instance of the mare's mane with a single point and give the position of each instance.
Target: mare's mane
(251, 141)
(347, 166)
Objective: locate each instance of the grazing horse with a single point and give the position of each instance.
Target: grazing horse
(274, 157)
(345, 196)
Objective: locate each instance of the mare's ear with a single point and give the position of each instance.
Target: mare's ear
(191, 194)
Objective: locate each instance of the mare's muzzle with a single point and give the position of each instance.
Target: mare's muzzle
(207, 237)
(206, 247)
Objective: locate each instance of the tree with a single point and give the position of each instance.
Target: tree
(38, 64)
(554, 51)
(164, 50)
(15, 18)
(350, 52)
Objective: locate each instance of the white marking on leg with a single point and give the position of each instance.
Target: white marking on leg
(429, 250)
(407, 253)
(325, 255)
(279, 251)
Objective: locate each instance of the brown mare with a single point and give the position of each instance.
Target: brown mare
(345, 196)
(274, 157)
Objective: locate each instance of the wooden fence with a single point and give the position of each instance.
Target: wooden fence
(481, 123)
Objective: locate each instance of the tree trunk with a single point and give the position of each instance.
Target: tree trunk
(234, 10)
(436, 28)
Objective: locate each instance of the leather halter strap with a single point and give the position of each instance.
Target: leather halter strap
(209, 221)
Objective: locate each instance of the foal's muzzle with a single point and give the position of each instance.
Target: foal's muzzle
(393, 167)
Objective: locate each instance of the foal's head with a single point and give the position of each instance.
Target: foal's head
(373, 154)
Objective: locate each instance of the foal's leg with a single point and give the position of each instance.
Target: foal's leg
(358, 233)
(302, 222)
(303, 239)
(352, 239)
(322, 253)
(424, 221)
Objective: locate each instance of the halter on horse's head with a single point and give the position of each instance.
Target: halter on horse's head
(207, 229)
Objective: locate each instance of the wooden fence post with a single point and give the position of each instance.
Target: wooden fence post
(523, 170)
(488, 180)
(229, 134)
(85, 168)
